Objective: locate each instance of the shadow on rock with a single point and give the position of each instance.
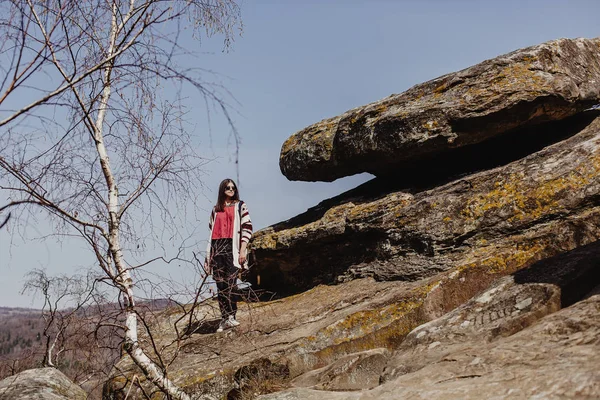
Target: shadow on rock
(576, 272)
(204, 327)
(259, 377)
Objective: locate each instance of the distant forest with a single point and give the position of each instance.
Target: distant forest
(85, 353)
(20, 332)
(87, 348)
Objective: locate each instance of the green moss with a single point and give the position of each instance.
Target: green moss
(368, 329)
(515, 77)
(362, 322)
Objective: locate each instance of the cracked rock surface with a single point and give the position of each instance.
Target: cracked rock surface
(557, 357)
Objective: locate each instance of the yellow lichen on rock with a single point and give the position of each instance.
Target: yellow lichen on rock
(320, 135)
(363, 322)
(526, 201)
(501, 260)
(391, 203)
(265, 241)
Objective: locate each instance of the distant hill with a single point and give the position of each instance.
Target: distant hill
(17, 310)
(91, 347)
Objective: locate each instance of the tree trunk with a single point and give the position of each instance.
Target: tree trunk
(122, 276)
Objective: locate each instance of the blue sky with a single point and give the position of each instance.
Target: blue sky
(298, 62)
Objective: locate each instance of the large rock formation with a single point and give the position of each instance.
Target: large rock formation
(462, 275)
(507, 217)
(40, 384)
(540, 83)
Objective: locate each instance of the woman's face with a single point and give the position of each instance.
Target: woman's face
(230, 189)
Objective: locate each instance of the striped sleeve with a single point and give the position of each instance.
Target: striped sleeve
(245, 224)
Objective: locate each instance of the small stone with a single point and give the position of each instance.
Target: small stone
(524, 304)
(42, 384)
(476, 361)
(433, 345)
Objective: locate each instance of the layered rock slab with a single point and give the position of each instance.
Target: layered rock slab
(502, 310)
(456, 347)
(557, 357)
(355, 371)
(296, 334)
(541, 83)
(40, 384)
(508, 217)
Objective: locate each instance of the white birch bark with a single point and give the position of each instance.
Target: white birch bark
(123, 278)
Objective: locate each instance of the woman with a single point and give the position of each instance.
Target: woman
(230, 231)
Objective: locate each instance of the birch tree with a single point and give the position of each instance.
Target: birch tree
(90, 137)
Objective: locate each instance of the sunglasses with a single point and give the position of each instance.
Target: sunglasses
(230, 188)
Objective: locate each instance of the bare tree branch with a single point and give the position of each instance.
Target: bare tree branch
(91, 137)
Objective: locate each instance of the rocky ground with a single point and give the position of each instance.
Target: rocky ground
(373, 335)
(555, 358)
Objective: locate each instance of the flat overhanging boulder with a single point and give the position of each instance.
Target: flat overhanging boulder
(547, 82)
(528, 209)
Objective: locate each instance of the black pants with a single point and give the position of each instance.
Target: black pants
(225, 275)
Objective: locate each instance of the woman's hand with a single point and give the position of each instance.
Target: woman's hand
(242, 258)
(207, 268)
(243, 254)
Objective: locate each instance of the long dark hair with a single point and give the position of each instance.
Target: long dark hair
(221, 199)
